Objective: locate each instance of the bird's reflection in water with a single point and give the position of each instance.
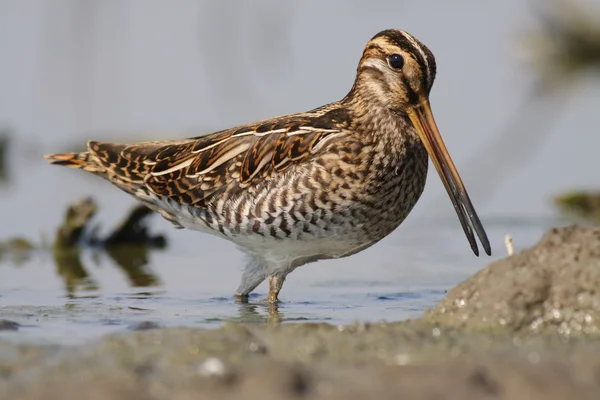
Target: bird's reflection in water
(249, 313)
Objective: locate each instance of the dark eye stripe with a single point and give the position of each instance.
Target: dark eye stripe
(413, 97)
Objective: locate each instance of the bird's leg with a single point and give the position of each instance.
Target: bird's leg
(275, 284)
(254, 274)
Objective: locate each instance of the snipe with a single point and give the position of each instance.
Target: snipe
(293, 189)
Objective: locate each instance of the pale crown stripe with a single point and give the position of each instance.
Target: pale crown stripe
(413, 41)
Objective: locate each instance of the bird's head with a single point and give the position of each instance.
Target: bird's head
(398, 69)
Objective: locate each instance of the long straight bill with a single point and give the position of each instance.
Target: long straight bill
(422, 119)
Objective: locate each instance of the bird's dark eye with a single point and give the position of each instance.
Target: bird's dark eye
(396, 61)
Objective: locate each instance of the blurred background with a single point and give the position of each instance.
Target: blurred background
(516, 98)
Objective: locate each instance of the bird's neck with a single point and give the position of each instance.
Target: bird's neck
(374, 120)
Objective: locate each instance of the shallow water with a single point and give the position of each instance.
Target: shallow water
(398, 278)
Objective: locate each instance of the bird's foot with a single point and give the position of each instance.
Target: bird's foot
(271, 299)
(241, 298)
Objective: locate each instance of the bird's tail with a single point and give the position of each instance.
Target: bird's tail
(83, 160)
(106, 160)
(124, 166)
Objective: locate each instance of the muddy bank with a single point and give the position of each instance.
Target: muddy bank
(508, 332)
(412, 360)
(552, 287)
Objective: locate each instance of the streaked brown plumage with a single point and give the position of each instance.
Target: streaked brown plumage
(326, 183)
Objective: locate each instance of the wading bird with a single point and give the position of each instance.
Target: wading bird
(289, 190)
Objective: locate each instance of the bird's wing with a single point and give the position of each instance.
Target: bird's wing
(193, 170)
